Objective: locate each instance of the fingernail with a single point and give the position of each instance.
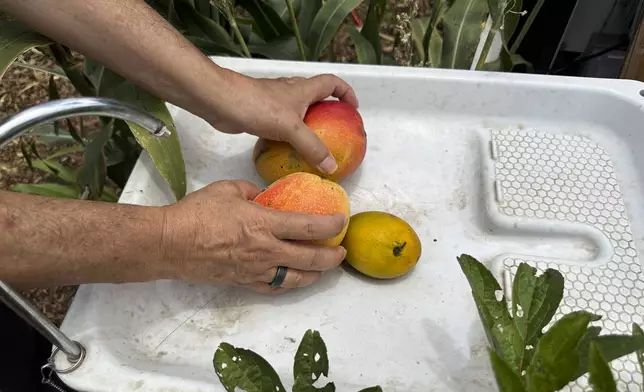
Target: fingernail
(328, 165)
(344, 254)
(346, 220)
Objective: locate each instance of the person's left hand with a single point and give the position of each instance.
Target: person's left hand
(274, 109)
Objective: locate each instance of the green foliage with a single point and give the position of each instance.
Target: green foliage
(525, 359)
(246, 370)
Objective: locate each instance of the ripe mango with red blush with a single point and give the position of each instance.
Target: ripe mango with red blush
(341, 129)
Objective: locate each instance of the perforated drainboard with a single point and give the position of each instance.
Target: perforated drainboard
(571, 179)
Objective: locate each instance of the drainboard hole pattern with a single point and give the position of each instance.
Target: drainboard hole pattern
(571, 178)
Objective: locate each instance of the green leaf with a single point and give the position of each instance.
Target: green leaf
(50, 190)
(371, 28)
(270, 23)
(507, 62)
(497, 323)
(311, 361)
(637, 331)
(282, 10)
(54, 70)
(309, 9)
(165, 153)
(109, 195)
(365, 52)
(372, 389)
(54, 95)
(243, 369)
(556, 358)
(61, 171)
(507, 379)
(199, 25)
(210, 48)
(327, 22)
(433, 39)
(511, 21)
(16, 38)
(45, 134)
(65, 151)
(418, 28)
(25, 153)
(278, 49)
(612, 347)
(203, 8)
(72, 131)
(462, 28)
(93, 70)
(535, 302)
(93, 172)
(601, 377)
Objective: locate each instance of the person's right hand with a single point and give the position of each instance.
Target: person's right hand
(217, 234)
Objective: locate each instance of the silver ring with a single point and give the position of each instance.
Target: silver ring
(73, 366)
(280, 275)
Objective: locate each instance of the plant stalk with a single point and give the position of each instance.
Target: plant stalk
(526, 26)
(296, 29)
(236, 31)
(486, 47)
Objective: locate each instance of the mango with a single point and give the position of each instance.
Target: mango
(337, 124)
(307, 193)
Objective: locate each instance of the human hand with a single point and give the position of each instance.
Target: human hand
(274, 109)
(218, 234)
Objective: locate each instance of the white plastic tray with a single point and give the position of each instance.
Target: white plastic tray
(504, 167)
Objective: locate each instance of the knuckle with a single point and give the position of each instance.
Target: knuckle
(297, 279)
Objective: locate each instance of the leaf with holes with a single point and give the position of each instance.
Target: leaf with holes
(637, 331)
(327, 22)
(16, 38)
(49, 190)
(535, 302)
(556, 357)
(244, 369)
(92, 174)
(601, 377)
(311, 361)
(364, 51)
(611, 346)
(493, 309)
(270, 23)
(507, 379)
(310, 8)
(371, 28)
(165, 153)
(462, 28)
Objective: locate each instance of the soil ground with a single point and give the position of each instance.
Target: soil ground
(21, 88)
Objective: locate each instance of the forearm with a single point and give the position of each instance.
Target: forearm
(52, 242)
(132, 39)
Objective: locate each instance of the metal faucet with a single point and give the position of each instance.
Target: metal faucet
(46, 113)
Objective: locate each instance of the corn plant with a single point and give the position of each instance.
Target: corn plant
(524, 358)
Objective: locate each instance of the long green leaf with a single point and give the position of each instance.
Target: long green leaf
(507, 379)
(54, 70)
(433, 39)
(53, 95)
(61, 171)
(327, 22)
(165, 153)
(556, 358)
(365, 52)
(311, 362)
(16, 38)
(282, 10)
(50, 190)
(418, 28)
(637, 331)
(270, 23)
(65, 151)
(94, 170)
(462, 27)
(493, 309)
(372, 389)
(278, 49)
(371, 28)
(601, 377)
(211, 48)
(310, 8)
(535, 302)
(199, 25)
(612, 347)
(244, 369)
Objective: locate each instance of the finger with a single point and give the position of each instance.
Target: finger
(294, 278)
(321, 87)
(312, 149)
(246, 189)
(300, 226)
(308, 257)
(265, 289)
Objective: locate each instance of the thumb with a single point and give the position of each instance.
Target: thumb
(309, 145)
